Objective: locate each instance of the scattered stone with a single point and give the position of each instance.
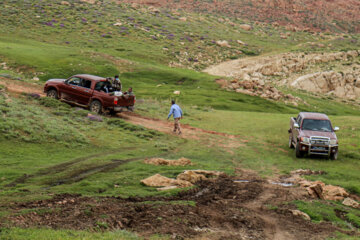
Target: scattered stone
(306, 171)
(34, 95)
(89, 1)
(223, 43)
(351, 203)
(35, 79)
(176, 92)
(301, 214)
(118, 24)
(240, 42)
(154, 9)
(65, 3)
(166, 188)
(94, 118)
(246, 27)
(160, 161)
(184, 19)
(4, 66)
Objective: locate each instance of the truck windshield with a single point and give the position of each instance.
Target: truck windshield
(317, 125)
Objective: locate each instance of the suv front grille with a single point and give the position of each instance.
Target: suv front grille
(320, 140)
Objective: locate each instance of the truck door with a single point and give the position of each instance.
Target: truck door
(84, 92)
(297, 130)
(69, 88)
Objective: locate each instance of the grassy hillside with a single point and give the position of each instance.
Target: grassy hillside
(48, 148)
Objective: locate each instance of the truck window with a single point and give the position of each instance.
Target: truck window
(74, 81)
(299, 120)
(317, 125)
(86, 83)
(99, 85)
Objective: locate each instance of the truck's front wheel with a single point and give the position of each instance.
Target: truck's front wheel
(290, 142)
(299, 153)
(52, 93)
(96, 106)
(333, 156)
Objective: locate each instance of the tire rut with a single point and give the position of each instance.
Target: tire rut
(60, 167)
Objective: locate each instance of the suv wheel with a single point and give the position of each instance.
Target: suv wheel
(290, 142)
(52, 93)
(95, 106)
(333, 156)
(299, 153)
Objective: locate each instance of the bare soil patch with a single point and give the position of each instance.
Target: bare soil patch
(224, 210)
(17, 87)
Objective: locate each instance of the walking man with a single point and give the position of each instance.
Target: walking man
(177, 113)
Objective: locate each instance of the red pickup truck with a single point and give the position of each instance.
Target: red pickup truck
(90, 92)
(313, 134)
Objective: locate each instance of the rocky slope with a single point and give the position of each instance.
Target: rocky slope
(332, 15)
(311, 72)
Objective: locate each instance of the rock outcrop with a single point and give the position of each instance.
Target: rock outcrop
(339, 84)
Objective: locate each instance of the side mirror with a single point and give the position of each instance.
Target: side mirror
(66, 82)
(336, 129)
(296, 125)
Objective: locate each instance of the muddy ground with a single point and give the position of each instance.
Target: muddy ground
(224, 210)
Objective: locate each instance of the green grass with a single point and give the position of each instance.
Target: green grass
(48, 234)
(338, 214)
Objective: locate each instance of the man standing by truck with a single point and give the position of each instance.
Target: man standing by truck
(177, 113)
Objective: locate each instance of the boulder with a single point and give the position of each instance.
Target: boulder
(184, 19)
(160, 161)
(246, 27)
(351, 203)
(96, 118)
(334, 193)
(176, 92)
(35, 79)
(316, 190)
(118, 24)
(301, 214)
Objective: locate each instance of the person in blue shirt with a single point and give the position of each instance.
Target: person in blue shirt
(177, 113)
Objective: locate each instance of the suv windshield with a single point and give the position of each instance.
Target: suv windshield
(317, 125)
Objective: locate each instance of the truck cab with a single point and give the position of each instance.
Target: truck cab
(313, 134)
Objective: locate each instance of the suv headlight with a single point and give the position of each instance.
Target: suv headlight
(305, 140)
(333, 142)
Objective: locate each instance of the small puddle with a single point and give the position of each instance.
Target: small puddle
(283, 184)
(242, 181)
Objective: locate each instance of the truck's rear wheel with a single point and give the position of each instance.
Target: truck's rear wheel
(96, 106)
(52, 93)
(290, 142)
(333, 156)
(299, 153)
